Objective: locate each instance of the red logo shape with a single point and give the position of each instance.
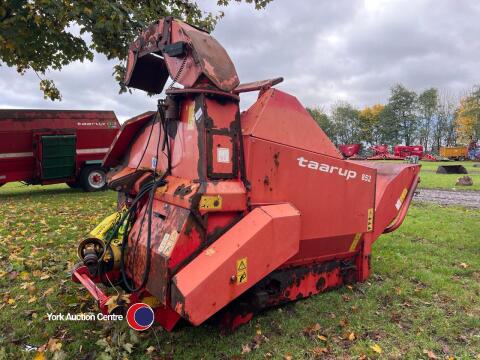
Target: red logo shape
(140, 316)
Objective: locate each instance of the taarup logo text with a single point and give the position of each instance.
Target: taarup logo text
(348, 174)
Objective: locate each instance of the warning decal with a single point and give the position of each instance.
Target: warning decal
(242, 267)
(402, 197)
(168, 243)
(356, 238)
(223, 155)
(370, 220)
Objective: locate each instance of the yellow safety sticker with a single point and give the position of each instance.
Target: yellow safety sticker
(242, 267)
(355, 241)
(370, 220)
(190, 117)
(402, 197)
(208, 202)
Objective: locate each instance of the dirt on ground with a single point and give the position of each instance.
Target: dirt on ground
(449, 197)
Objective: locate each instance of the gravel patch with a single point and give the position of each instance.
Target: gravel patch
(449, 197)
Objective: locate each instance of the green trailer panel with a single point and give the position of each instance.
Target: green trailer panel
(58, 156)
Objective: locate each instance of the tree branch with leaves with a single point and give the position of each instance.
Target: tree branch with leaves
(44, 35)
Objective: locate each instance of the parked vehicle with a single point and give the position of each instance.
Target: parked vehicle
(349, 150)
(55, 146)
(381, 152)
(404, 151)
(473, 151)
(454, 152)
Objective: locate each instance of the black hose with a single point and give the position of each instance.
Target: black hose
(149, 213)
(153, 186)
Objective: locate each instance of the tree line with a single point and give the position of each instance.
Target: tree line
(430, 118)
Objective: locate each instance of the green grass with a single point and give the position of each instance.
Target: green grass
(423, 294)
(431, 180)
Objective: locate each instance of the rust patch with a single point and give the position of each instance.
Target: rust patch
(182, 190)
(266, 180)
(276, 159)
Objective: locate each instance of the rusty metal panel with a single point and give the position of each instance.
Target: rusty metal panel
(168, 224)
(261, 85)
(221, 154)
(254, 247)
(124, 138)
(214, 60)
(280, 117)
(149, 64)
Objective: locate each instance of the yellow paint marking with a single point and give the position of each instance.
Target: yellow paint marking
(242, 268)
(208, 202)
(190, 116)
(152, 301)
(370, 220)
(355, 241)
(161, 190)
(402, 197)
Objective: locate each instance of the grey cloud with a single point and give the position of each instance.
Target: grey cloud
(325, 50)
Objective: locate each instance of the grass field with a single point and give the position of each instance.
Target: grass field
(431, 180)
(421, 302)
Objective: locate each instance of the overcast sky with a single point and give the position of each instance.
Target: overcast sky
(326, 51)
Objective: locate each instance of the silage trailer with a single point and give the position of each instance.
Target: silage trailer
(225, 213)
(56, 146)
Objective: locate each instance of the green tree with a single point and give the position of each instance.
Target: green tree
(346, 124)
(468, 117)
(388, 127)
(369, 122)
(427, 109)
(443, 125)
(322, 119)
(402, 105)
(42, 35)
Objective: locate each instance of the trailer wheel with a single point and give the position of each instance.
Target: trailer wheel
(93, 178)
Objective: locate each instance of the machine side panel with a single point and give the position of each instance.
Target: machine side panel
(280, 117)
(335, 197)
(394, 182)
(249, 251)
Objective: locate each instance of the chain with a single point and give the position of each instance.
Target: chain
(179, 72)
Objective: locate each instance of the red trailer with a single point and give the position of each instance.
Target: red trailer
(50, 146)
(349, 150)
(380, 152)
(403, 151)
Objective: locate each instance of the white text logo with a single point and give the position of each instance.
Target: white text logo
(348, 174)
